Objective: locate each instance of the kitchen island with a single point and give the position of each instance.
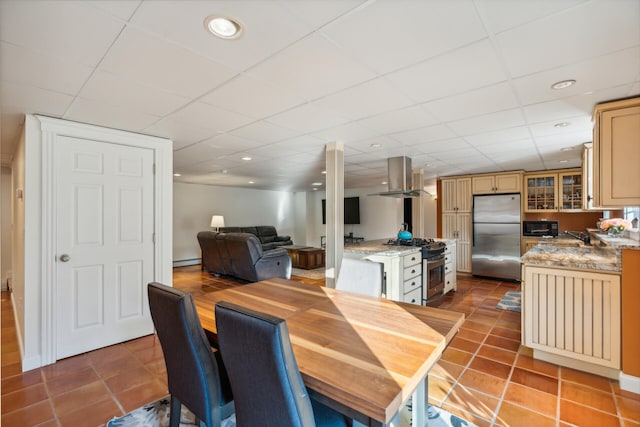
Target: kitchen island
(573, 297)
(402, 267)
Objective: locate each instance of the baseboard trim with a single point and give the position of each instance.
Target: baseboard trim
(186, 262)
(580, 365)
(629, 383)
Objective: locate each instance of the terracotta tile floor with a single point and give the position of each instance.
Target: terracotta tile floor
(484, 375)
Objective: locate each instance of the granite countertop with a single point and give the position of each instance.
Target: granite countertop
(597, 258)
(378, 247)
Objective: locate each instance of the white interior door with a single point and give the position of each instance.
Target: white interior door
(105, 250)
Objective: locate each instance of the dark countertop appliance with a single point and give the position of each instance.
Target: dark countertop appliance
(540, 228)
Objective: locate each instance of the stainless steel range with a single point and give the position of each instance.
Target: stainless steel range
(432, 264)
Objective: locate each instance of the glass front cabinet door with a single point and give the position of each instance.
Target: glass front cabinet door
(541, 193)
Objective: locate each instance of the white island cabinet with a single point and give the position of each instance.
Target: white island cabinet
(402, 267)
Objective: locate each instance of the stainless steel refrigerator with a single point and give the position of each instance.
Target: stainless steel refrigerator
(496, 236)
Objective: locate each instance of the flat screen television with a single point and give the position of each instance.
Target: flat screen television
(351, 210)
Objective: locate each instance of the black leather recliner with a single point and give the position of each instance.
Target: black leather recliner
(241, 255)
(267, 234)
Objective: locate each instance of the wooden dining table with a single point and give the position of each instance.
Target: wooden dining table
(363, 356)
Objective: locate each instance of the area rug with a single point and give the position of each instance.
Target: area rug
(511, 301)
(156, 414)
(317, 273)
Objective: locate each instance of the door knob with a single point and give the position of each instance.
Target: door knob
(65, 258)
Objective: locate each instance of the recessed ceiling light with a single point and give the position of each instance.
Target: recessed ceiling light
(562, 125)
(563, 84)
(223, 27)
(315, 189)
(376, 145)
(251, 182)
(316, 184)
(563, 161)
(177, 174)
(324, 172)
(566, 149)
(384, 183)
(246, 158)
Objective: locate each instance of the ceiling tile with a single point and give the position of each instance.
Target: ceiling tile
(122, 9)
(252, 97)
(476, 102)
(158, 63)
(424, 135)
(210, 117)
(180, 132)
(488, 122)
(387, 37)
(30, 68)
(75, 32)
(264, 132)
(88, 111)
(313, 68)
(268, 28)
(399, 120)
(117, 90)
(592, 75)
(579, 124)
(503, 135)
(570, 36)
(366, 99)
(345, 133)
(308, 118)
(18, 97)
(448, 74)
(503, 15)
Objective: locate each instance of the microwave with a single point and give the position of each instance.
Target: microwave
(540, 228)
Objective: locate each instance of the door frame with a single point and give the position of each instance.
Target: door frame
(163, 211)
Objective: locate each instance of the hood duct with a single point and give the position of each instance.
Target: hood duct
(399, 179)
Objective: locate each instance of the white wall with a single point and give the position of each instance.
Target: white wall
(194, 204)
(6, 195)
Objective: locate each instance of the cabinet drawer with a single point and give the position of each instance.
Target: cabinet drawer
(412, 271)
(413, 297)
(449, 281)
(413, 259)
(448, 267)
(411, 285)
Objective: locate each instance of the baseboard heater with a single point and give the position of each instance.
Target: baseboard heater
(187, 262)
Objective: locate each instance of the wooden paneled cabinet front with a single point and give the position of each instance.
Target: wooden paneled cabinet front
(616, 154)
(497, 184)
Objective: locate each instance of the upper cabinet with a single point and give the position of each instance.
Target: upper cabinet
(616, 154)
(553, 192)
(496, 184)
(456, 195)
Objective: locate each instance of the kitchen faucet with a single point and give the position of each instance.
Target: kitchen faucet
(583, 237)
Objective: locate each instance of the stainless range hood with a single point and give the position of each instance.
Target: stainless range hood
(400, 179)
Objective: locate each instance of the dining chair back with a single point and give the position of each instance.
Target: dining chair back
(264, 375)
(195, 374)
(360, 276)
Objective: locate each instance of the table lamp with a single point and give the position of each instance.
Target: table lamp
(217, 221)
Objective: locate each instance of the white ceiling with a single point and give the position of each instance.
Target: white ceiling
(460, 86)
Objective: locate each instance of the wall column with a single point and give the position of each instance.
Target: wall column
(417, 207)
(334, 158)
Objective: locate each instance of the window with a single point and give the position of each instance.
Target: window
(632, 214)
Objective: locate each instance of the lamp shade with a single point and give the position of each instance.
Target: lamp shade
(217, 221)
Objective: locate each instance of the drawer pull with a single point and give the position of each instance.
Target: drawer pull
(413, 258)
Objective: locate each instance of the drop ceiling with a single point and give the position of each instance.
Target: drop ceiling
(459, 86)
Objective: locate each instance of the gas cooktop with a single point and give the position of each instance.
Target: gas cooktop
(410, 242)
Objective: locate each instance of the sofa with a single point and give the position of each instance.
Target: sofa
(241, 255)
(267, 235)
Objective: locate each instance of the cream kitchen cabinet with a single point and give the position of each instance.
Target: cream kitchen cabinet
(456, 195)
(458, 226)
(572, 318)
(553, 192)
(496, 184)
(450, 267)
(457, 200)
(616, 154)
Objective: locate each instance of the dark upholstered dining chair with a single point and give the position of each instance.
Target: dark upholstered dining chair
(195, 374)
(266, 383)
